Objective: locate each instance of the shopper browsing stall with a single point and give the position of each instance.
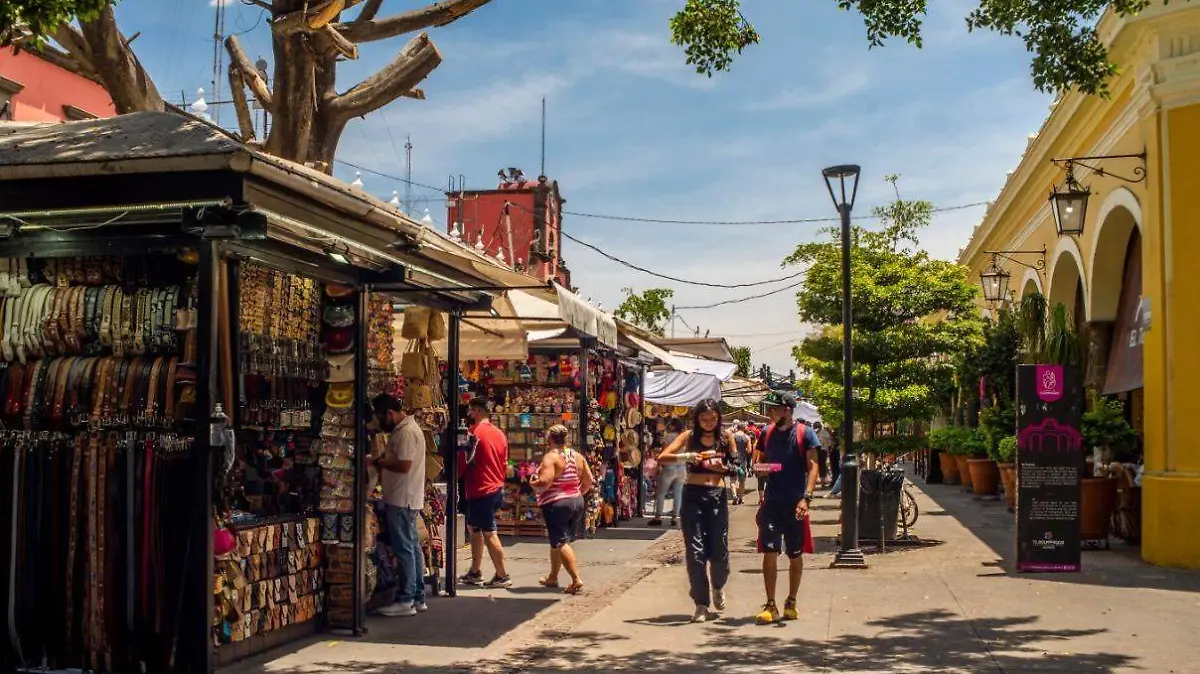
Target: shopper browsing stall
(705, 510)
(789, 449)
(671, 478)
(402, 476)
(562, 480)
(485, 468)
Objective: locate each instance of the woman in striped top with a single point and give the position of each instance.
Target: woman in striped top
(561, 482)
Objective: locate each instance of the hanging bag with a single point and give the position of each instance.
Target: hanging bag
(412, 363)
(437, 326)
(416, 322)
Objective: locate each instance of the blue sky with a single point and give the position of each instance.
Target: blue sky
(634, 131)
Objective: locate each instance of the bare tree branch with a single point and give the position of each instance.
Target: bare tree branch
(237, 88)
(70, 39)
(342, 45)
(436, 14)
(314, 17)
(416, 93)
(413, 64)
(250, 74)
(127, 83)
(369, 11)
(260, 3)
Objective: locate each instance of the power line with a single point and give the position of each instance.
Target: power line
(389, 176)
(660, 221)
(673, 278)
(745, 299)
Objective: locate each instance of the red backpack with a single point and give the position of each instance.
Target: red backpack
(798, 429)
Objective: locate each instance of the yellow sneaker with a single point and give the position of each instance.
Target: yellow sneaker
(789, 610)
(770, 614)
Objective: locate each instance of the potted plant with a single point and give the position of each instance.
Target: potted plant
(1005, 454)
(985, 478)
(942, 440)
(1106, 432)
(969, 443)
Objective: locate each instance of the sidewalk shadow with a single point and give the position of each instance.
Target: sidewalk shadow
(991, 523)
(926, 641)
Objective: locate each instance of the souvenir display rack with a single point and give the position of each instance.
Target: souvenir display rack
(99, 389)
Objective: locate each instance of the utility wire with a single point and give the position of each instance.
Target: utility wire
(744, 299)
(674, 278)
(796, 221)
(389, 176)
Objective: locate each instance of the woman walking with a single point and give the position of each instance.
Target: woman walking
(562, 480)
(706, 450)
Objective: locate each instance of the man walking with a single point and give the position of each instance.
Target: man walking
(741, 459)
(826, 441)
(485, 467)
(402, 476)
(789, 449)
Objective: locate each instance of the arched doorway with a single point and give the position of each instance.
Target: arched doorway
(1066, 280)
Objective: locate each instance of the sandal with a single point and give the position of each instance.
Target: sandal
(573, 588)
(545, 582)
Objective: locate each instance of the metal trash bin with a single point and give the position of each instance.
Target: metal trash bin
(879, 493)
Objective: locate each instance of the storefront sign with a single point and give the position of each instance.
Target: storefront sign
(1050, 465)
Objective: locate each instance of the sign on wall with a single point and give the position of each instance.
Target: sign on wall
(1050, 465)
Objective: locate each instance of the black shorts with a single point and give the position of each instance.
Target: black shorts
(563, 520)
(481, 512)
(780, 531)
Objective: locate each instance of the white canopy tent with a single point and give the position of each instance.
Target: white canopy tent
(683, 389)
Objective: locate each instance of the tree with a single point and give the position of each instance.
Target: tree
(1067, 52)
(911, 315)
(648, 309)
(741, 356)
(310, 37)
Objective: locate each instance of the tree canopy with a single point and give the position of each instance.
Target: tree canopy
(1060, 34)
(741, 357)
(911, 314)
(647, 309)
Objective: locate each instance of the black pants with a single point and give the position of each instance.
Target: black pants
(822, 468)
(835, 464)
(705, 516)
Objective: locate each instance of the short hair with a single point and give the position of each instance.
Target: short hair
(557, 434)
(480, 403)
(384, 403)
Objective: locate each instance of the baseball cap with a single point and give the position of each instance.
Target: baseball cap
(777, 399)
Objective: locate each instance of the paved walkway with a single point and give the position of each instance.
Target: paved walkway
(954, 607)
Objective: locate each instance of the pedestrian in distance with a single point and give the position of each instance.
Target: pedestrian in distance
(671, 477)
(484, 468)
(562, 480)
(401, 470)
(742, 453)
(789, 448)
(826, 441)
(707, 452)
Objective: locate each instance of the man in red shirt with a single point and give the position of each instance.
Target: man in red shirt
(484, 469)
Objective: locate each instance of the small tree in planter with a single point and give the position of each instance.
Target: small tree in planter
(1106, 433)
(1005, 454)
(943, 440)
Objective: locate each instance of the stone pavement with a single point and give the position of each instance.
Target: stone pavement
(952, 607)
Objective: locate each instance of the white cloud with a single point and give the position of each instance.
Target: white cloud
(835, 83)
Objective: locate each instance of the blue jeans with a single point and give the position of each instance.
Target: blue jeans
(402, 527)
(837, 487)
(670, 478)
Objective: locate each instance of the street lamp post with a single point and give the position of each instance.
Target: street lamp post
(849, 556)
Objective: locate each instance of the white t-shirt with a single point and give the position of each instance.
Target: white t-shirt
(406, 490)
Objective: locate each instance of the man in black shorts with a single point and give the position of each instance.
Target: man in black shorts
(789, 448)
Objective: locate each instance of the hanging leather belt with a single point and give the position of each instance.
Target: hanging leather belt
(73, 532)
(107, 314)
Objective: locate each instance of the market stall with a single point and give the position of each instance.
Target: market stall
(188, 373)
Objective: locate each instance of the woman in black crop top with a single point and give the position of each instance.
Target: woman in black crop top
(707, 450)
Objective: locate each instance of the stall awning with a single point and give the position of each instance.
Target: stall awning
(720, 369)
(684, 389)
(586, 318)
(740, 392)
(660, 354)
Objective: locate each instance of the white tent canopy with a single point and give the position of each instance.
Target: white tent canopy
(684, 389)
(807, 412)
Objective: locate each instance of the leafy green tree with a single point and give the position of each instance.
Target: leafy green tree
(40, 18)
(912, 314)
(741, 356)
(647, 309)
(1067, 52)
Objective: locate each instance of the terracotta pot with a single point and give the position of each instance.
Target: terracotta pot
(1008, 478)
(949, 468)
(1097, 501)
(964, 471)
(985, 477)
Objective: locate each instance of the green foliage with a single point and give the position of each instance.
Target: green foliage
(39, 18)
(911, 315)
(1060, 34)
(890, 444)
(1105, 426)
(959, 441)
(741, 356)
(1063, 346)
(1006, 450)
(648, 309)
(1032, 318)
(942, 439)
(711, 31)
(997, 423)
(998, 359)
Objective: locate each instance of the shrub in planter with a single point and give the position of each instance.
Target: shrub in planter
(1108, 435)
(1005, 454)
(943, 440)
(970, 444)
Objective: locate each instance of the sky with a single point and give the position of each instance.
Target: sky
(633, 131)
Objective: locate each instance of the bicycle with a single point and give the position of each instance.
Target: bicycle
(909, 512)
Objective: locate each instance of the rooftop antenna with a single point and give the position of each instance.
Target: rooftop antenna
(543, 172)
(218, 33)
(408, 173)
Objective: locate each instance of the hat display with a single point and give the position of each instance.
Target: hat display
(341, 368)
(339, 315)
(340, 340)
(340, 396)
(338, 291)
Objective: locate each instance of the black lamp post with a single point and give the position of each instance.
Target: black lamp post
(849, 556)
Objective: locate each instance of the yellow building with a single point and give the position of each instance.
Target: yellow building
(1132, 276)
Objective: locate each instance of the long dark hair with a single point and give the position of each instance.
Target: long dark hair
(705, 406)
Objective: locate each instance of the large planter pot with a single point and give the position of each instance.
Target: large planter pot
(1097, 502)
(949, 468)
(985, 477)
(964, 471)
(1008, 478)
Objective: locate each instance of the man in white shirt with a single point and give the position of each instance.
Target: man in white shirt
(402, 476)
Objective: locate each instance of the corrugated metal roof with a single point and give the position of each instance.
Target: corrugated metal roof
(140, 135)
